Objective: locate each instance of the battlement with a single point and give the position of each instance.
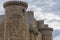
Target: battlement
(18, 3)
(46, 27)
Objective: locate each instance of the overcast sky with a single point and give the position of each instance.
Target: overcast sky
(47, 10)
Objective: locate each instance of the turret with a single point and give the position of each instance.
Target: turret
(15, 27)
(46, 32)
(15, 6)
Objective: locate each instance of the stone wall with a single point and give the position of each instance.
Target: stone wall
(2, 31)
(2, 27)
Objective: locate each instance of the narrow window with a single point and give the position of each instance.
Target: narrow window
(23, 11)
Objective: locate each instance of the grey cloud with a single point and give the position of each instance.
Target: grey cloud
(40, 3)
(55, 8)
(44, 4)
(57, 1)
(56, 33)
(54, 20)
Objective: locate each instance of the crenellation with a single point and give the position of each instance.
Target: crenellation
(40, 24)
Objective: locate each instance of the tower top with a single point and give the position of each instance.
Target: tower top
(18, 3)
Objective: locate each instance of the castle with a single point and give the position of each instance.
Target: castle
(19, 24)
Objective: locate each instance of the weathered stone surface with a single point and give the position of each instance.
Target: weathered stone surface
(40, 24)
(46, 33)
(19, 24)
(18, 3)
(39, 36)
(15, 25)
(2, 27)
(29, 17)
(2, 31)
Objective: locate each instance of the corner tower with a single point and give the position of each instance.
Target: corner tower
(15, 26)
(46, 32)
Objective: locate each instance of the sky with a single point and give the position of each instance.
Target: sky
(47, 10)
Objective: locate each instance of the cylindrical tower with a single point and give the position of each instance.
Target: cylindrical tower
(15, 26)
(46, 32)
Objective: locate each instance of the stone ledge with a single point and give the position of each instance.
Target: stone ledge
(51, 29)
(18, 3)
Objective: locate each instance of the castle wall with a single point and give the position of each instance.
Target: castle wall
(40, 24)
(37, 34)
(34, 33)
(29, 17)
(2, 31)
(1, 27)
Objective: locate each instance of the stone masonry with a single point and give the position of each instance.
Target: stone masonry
(19, 24)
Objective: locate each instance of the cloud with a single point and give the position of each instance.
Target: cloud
(47, 5)
(50, 18)
(56, 33)
(56, 38)
(55, 25)
(1, 8)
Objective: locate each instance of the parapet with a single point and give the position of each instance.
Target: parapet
(40, 24)
(31, 13)
(46, 27)
(18, 3)
(30, 16)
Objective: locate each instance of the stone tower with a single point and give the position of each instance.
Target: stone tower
(19, 24)
(16, 27)
(46, 32)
